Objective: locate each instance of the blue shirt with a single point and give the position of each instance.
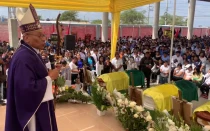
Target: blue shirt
(167, 58)
(90, 62)
(47, 44)
(80, 64)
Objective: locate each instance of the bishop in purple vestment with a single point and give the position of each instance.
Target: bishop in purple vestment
(30, 99)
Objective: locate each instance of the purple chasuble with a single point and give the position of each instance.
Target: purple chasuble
(26, 89)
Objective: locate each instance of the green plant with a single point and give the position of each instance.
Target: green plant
(166, 122)
(64, 98)
(131, 116)
(71, 90)
(195, 127)
(99, 97)
(60, 81)
(72, 94)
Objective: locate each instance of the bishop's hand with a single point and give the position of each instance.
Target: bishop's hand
(53, 74)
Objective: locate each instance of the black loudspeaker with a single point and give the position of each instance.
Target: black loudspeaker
(69, 42)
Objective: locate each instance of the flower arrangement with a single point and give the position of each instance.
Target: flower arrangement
(168, 124)
(136, 118)
(163, 121)
(101, 98)
(132, 116)
(60, 82)
(76, 96)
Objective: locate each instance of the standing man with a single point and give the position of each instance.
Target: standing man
(117, 63)
(146, 65)
(30, 99)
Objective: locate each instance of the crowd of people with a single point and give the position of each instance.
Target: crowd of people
(6, 53)
(190, 60)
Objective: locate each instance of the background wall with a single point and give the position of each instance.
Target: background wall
(81, 30)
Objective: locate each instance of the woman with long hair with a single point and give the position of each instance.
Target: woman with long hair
(100, 66)
(197, 76)
(108, 67)
(178, 73)
(65, 70)
(164, 72)
(90, 62)
(80, 64)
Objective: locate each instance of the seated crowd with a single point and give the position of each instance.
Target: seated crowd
(190, 60)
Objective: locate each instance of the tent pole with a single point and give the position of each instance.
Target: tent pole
(172, 38)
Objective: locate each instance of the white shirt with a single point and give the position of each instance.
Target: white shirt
(141, 55)
(99, 68)
(48, 65)
(178, 71)
(95, 57)
(131, 66)
(164, 70)
(137, 59)
(73, 67)
(179, 59)
(117, 63)
(189, 74)
(207, 76)
(203, 60)
(82, 55)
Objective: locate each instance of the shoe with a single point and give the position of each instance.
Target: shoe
(205, 96)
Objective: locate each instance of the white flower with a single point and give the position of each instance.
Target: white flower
(98, 88)
(181, 129)
(108, 97)
(151, 129)
(187, 127)
(132, 104)
(141, 116)
(131, 110)
(119, 101)
(135, 115)
(166, 112)
(126, 102)
(85, 94)
(148, 118)
(171, 122)
(173, 128)
(122, 111)
(139, 108)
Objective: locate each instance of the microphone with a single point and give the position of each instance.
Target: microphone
(52, 61)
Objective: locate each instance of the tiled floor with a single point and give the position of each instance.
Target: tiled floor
(78, 117)
(83, 117)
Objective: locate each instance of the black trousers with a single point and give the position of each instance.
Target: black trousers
(204, 88)
(81, 76)
(147, 74)
(73, 78)
(172, 72)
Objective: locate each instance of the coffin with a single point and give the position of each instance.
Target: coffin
(202, 114)
(159, 97)
(118, 80)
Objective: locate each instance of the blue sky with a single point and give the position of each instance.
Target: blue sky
(202, 12)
